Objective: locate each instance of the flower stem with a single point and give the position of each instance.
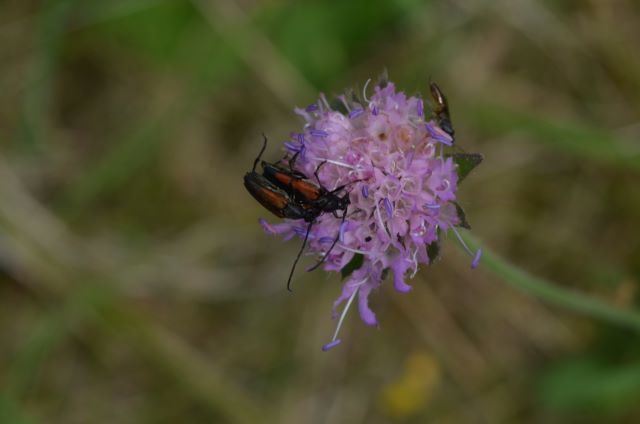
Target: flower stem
(553, 293)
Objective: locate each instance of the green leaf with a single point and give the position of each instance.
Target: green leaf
(433, 251)
(383, 78)
(461, 216)
(337, 105)
(354, 263)
(465, 163)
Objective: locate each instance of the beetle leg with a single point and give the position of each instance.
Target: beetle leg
(293, 268)
(326, 255)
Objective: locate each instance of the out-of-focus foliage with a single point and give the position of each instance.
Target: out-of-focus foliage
(136, 285)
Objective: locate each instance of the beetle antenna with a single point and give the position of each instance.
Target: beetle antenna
(293, 268)
(264, 146)
(316, 173)
(292, 161)
(342, 187)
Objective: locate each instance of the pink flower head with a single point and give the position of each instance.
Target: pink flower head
(402, 190)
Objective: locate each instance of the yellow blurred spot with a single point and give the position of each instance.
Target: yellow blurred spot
(413, 390)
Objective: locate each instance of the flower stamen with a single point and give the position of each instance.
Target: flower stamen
(379, 216)
(476, 255)
(476, 259)
(323, 98)
(364, 90)
(355, 113)
(388, 207)
(351, 249)
(318, 133)
(343, 99)
(433, 206)
(365, 191)
(335, 340)
(435, 134)
(415, 261)
(335, 162)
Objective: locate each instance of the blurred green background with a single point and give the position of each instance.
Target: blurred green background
(137, 287)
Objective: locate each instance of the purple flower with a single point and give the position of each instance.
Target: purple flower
(401, 185)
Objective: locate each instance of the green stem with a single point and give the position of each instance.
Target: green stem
(552, 293)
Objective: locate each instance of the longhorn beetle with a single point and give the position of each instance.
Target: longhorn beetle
(303, 190)
(307, 193)
(278, 202)
(289, 194)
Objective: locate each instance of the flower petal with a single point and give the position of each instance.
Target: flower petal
(366, 314)
(286, 229)
(399, 267)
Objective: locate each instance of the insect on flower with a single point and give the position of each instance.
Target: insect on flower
(441, 110)
(303, 190)
(402, 190)
(289, 194)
